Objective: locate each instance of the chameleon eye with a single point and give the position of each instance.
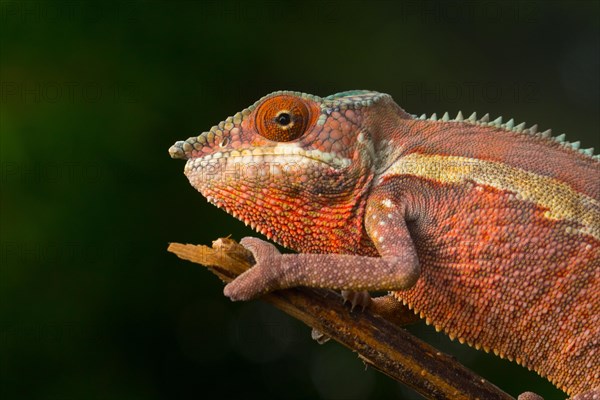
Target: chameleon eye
(285, 118)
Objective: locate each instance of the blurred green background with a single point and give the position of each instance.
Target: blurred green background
(92, 96)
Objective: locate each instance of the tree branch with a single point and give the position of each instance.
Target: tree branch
(378, 342)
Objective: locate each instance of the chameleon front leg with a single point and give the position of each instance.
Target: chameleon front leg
(396, 269)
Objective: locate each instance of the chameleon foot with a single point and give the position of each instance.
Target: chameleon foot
(263, 277)
(362, 298)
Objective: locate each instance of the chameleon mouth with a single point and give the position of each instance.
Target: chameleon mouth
(277, 154)
(281, 155)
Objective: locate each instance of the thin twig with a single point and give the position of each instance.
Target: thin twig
(378, 342)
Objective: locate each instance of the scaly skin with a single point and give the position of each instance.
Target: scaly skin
(488, 231)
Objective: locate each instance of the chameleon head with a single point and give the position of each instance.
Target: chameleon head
(283, 159)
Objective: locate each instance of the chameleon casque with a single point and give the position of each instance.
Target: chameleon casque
(490, 231)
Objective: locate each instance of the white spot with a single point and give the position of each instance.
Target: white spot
(388, 203)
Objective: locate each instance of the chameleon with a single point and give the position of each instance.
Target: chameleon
(487, 230)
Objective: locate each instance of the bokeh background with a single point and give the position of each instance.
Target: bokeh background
(94, 93)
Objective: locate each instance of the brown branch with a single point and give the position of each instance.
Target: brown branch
(378, 342)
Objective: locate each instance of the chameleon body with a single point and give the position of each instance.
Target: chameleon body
(490, 231)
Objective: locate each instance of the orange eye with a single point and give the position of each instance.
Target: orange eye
(285, 118)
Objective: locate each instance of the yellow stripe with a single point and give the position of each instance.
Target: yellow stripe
(561, 200)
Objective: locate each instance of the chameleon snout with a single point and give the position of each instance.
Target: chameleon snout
(178, 150)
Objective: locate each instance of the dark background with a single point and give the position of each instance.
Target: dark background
(92, 96)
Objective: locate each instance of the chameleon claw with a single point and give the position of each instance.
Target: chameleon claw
(362, 299)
